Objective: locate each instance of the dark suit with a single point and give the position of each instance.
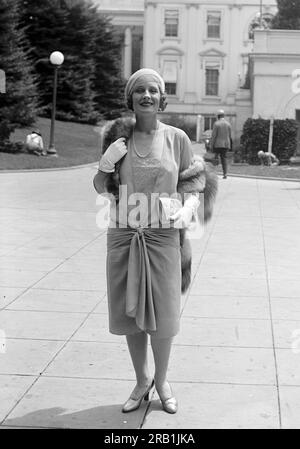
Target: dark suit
(221, 141)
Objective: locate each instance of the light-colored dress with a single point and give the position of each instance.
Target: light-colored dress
(143, 261)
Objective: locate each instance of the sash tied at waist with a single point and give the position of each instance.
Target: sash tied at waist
(142, 242)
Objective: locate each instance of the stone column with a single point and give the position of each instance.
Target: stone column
(191, 72)
(151, 36)
(128, 53)
(231, 81)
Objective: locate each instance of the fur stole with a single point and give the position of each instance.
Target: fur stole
(200, 177)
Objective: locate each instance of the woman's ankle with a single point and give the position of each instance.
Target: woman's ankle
(160, 383)
(144, 381)
(164, 390)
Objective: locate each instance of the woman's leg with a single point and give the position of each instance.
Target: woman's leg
(161, 348)
(137, 344)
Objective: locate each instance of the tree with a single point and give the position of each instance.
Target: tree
(77, 92)
(44, 23)
(18, 105)
(89, 81)
(288, 15)
(61, 25)
(108, 82)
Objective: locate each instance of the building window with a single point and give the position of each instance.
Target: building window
(214, 24)
(209, 122)
(171, 22)
(170, 88)
(170, 76)
(212, 82)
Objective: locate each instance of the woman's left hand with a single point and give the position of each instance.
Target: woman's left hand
(183, 217)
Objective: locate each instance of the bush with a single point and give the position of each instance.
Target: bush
(285, 139)
(255, 138)
(12, 147)
(239, 155)
(185, 122)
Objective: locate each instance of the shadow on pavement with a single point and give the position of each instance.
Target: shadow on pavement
(103, 417)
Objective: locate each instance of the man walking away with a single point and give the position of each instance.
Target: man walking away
(221, 140)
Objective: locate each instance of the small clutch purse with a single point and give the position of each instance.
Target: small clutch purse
(168, 207)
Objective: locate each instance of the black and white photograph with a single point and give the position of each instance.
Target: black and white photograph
(149, 217)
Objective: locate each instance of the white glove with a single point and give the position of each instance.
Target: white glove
(184, 216)
(112, 155)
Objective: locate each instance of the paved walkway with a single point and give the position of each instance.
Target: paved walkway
(236, 361)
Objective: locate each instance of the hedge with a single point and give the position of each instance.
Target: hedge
(255, 137)
(186, 122)
(12, 147)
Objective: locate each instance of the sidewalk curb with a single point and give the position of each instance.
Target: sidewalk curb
(91, 164)
(30, 170)
(261, 177)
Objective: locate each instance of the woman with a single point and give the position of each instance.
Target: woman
(143, 159)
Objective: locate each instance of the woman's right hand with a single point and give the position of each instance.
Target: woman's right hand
(112, 155)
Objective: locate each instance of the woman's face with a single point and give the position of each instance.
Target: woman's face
(146, 97)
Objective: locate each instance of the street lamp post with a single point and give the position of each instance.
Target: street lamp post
(2, 82)
(56, 58)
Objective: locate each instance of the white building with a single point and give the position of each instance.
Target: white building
(275, 74)
(128, 18)
(200, 48)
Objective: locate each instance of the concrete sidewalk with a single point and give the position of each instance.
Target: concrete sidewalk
(236, 361)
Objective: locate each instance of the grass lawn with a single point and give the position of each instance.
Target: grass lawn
(75, 144)
(78, 144)
(280, 171)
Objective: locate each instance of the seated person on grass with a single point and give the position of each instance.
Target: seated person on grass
(34, 143)
(267, 158)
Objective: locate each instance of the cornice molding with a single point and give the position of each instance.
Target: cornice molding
(213, 52)
(169, 50)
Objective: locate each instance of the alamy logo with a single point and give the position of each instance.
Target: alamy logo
(2, 82)
(296, 81)
(140, 210)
